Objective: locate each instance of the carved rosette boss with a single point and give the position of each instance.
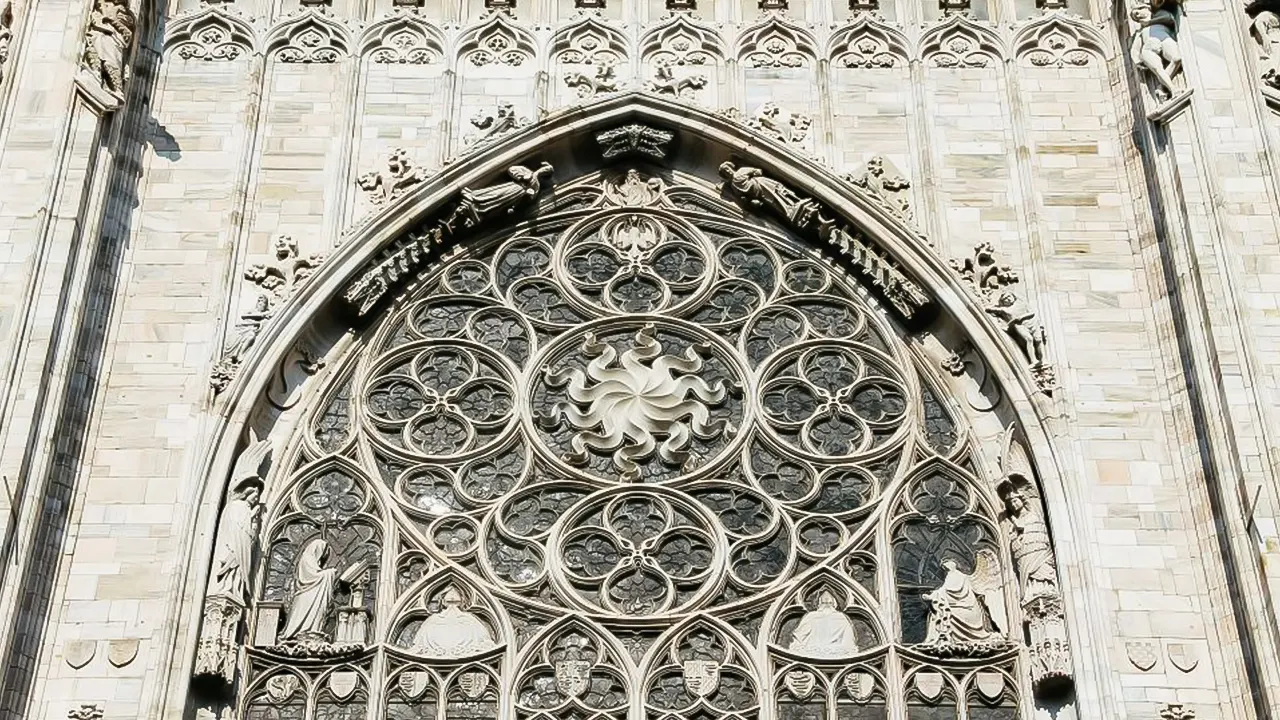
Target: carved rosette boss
(218, 652)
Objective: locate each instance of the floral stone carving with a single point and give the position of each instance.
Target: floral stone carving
(494, 124)
(887, 185)
(665, 82)
(619, 407)
(993, 283)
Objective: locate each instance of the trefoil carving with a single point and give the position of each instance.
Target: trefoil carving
(497, 42)
(473, 208)
(107, 45)
(494, 123)
(402, 40)
(868, 43)
(634, 139)
(884, 182)
(277, 281)
(310, 36)
(776, 43)
(806, 215)
(400, 176)
(1058, 40)
(993, 283)
(213, 33)
(960, 43)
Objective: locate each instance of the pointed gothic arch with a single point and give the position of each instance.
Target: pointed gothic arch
(887, 244)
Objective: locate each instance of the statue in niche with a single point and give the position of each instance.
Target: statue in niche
(106, 43)
(477, 206)
(313, 593)
(824, 632)
(1029, 541)
(452, 632)
(218, 651)
(1155, 44)
(966, 613)
(238, 526)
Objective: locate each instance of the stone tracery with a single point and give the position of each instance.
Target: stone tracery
(681, 435)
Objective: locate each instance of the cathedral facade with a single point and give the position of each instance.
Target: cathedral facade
(640, 360)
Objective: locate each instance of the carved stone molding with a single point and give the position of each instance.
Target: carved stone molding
(499, 41)
(276, 281)
(402, 39)
(108, 43)
(634, 139)
(1058, 40)
(868, 43)
(959, 42)
(212, 33)
(805, 215)
(310, 35)
(472, 209)
(400, 175)
(776, 43)
(994, 283)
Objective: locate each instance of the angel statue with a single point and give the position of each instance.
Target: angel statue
(238, 525)
(967, 615)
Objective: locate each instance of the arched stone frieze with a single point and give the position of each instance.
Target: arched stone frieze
(211, 33)
(402, 39)
(959, 42)
(590, 57)
(1058, 40)
(776, 43)
(309, 36)
(654, 401)
(497, 40)
(867, 42)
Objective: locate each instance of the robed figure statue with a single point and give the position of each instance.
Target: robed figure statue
(312, 595)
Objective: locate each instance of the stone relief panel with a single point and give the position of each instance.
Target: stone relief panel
(497, 65)
(632, 461)
(959, 42)
(778, 60)
(589, 59)
(402, 40)
(867, 43)
(682, 59)
(1058, 40)
(309, 36)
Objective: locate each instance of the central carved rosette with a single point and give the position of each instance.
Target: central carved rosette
(652, 407)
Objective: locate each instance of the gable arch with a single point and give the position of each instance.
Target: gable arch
(709, 139)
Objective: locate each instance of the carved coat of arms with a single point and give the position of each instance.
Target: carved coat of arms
(473, 684)
(701, 677)
(572, 677)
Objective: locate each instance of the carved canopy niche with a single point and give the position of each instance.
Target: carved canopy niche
(647, 456)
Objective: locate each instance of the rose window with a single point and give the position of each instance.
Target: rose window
(645, 459)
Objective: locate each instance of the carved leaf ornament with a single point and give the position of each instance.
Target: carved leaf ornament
(627, 463)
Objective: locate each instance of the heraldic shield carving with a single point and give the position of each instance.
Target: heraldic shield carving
(651, 456)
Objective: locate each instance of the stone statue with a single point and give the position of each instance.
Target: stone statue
(1266, 31)
(760, 190)
(312, 596)
(1020, 322)
(238, 525)
(824, 632)
(106, 43)
(966, 613)
(289, 266)
(477, 206)
(604, 80)
(401, 175)
(452, 632)
(1029, 542)
(665, 82)
(1155, 45)
(887, 185)
(217, 653)
(502, 120)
